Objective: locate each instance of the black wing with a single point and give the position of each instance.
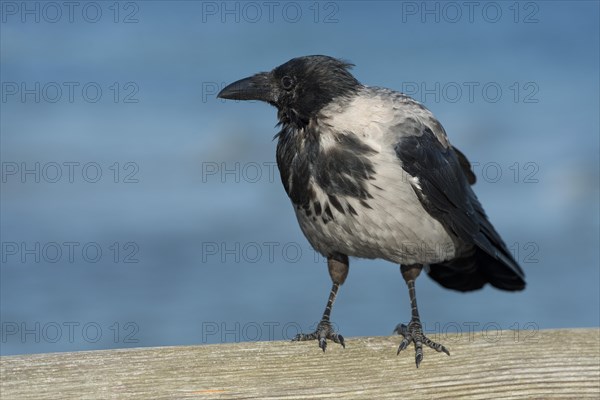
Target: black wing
(444, 189)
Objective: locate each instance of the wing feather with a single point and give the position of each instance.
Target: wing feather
(444, 177)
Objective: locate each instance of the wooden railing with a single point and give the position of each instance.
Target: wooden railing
(549, 364)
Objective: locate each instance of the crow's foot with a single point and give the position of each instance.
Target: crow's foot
(324, 331)
(414, 333)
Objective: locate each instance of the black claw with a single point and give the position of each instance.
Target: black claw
(323, 332)
(418, 359)
(403, 345)
(341, 341)
(400, 348)
(414, 333)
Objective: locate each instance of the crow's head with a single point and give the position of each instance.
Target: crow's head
(299, 88)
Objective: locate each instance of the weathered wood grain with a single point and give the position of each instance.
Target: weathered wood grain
(551, 364)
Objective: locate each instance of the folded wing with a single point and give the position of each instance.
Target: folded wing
(444, 177)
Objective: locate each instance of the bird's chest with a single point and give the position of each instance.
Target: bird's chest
(352, 199)
(320, 174)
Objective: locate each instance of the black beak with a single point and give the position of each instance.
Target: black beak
(257, 87)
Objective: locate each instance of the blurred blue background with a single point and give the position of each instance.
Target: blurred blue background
(139, 210)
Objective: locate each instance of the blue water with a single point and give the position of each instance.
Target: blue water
(139, 210)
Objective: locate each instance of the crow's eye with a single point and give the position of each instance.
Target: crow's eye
(287, 83)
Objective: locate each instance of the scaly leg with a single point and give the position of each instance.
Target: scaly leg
(414, 331)
(338, 271)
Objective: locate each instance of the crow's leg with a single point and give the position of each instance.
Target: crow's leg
(338, 270)
(414, 331)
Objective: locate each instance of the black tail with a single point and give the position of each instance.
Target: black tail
(472, 272)
(488, 261)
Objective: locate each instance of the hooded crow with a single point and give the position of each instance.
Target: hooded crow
(371, 174)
